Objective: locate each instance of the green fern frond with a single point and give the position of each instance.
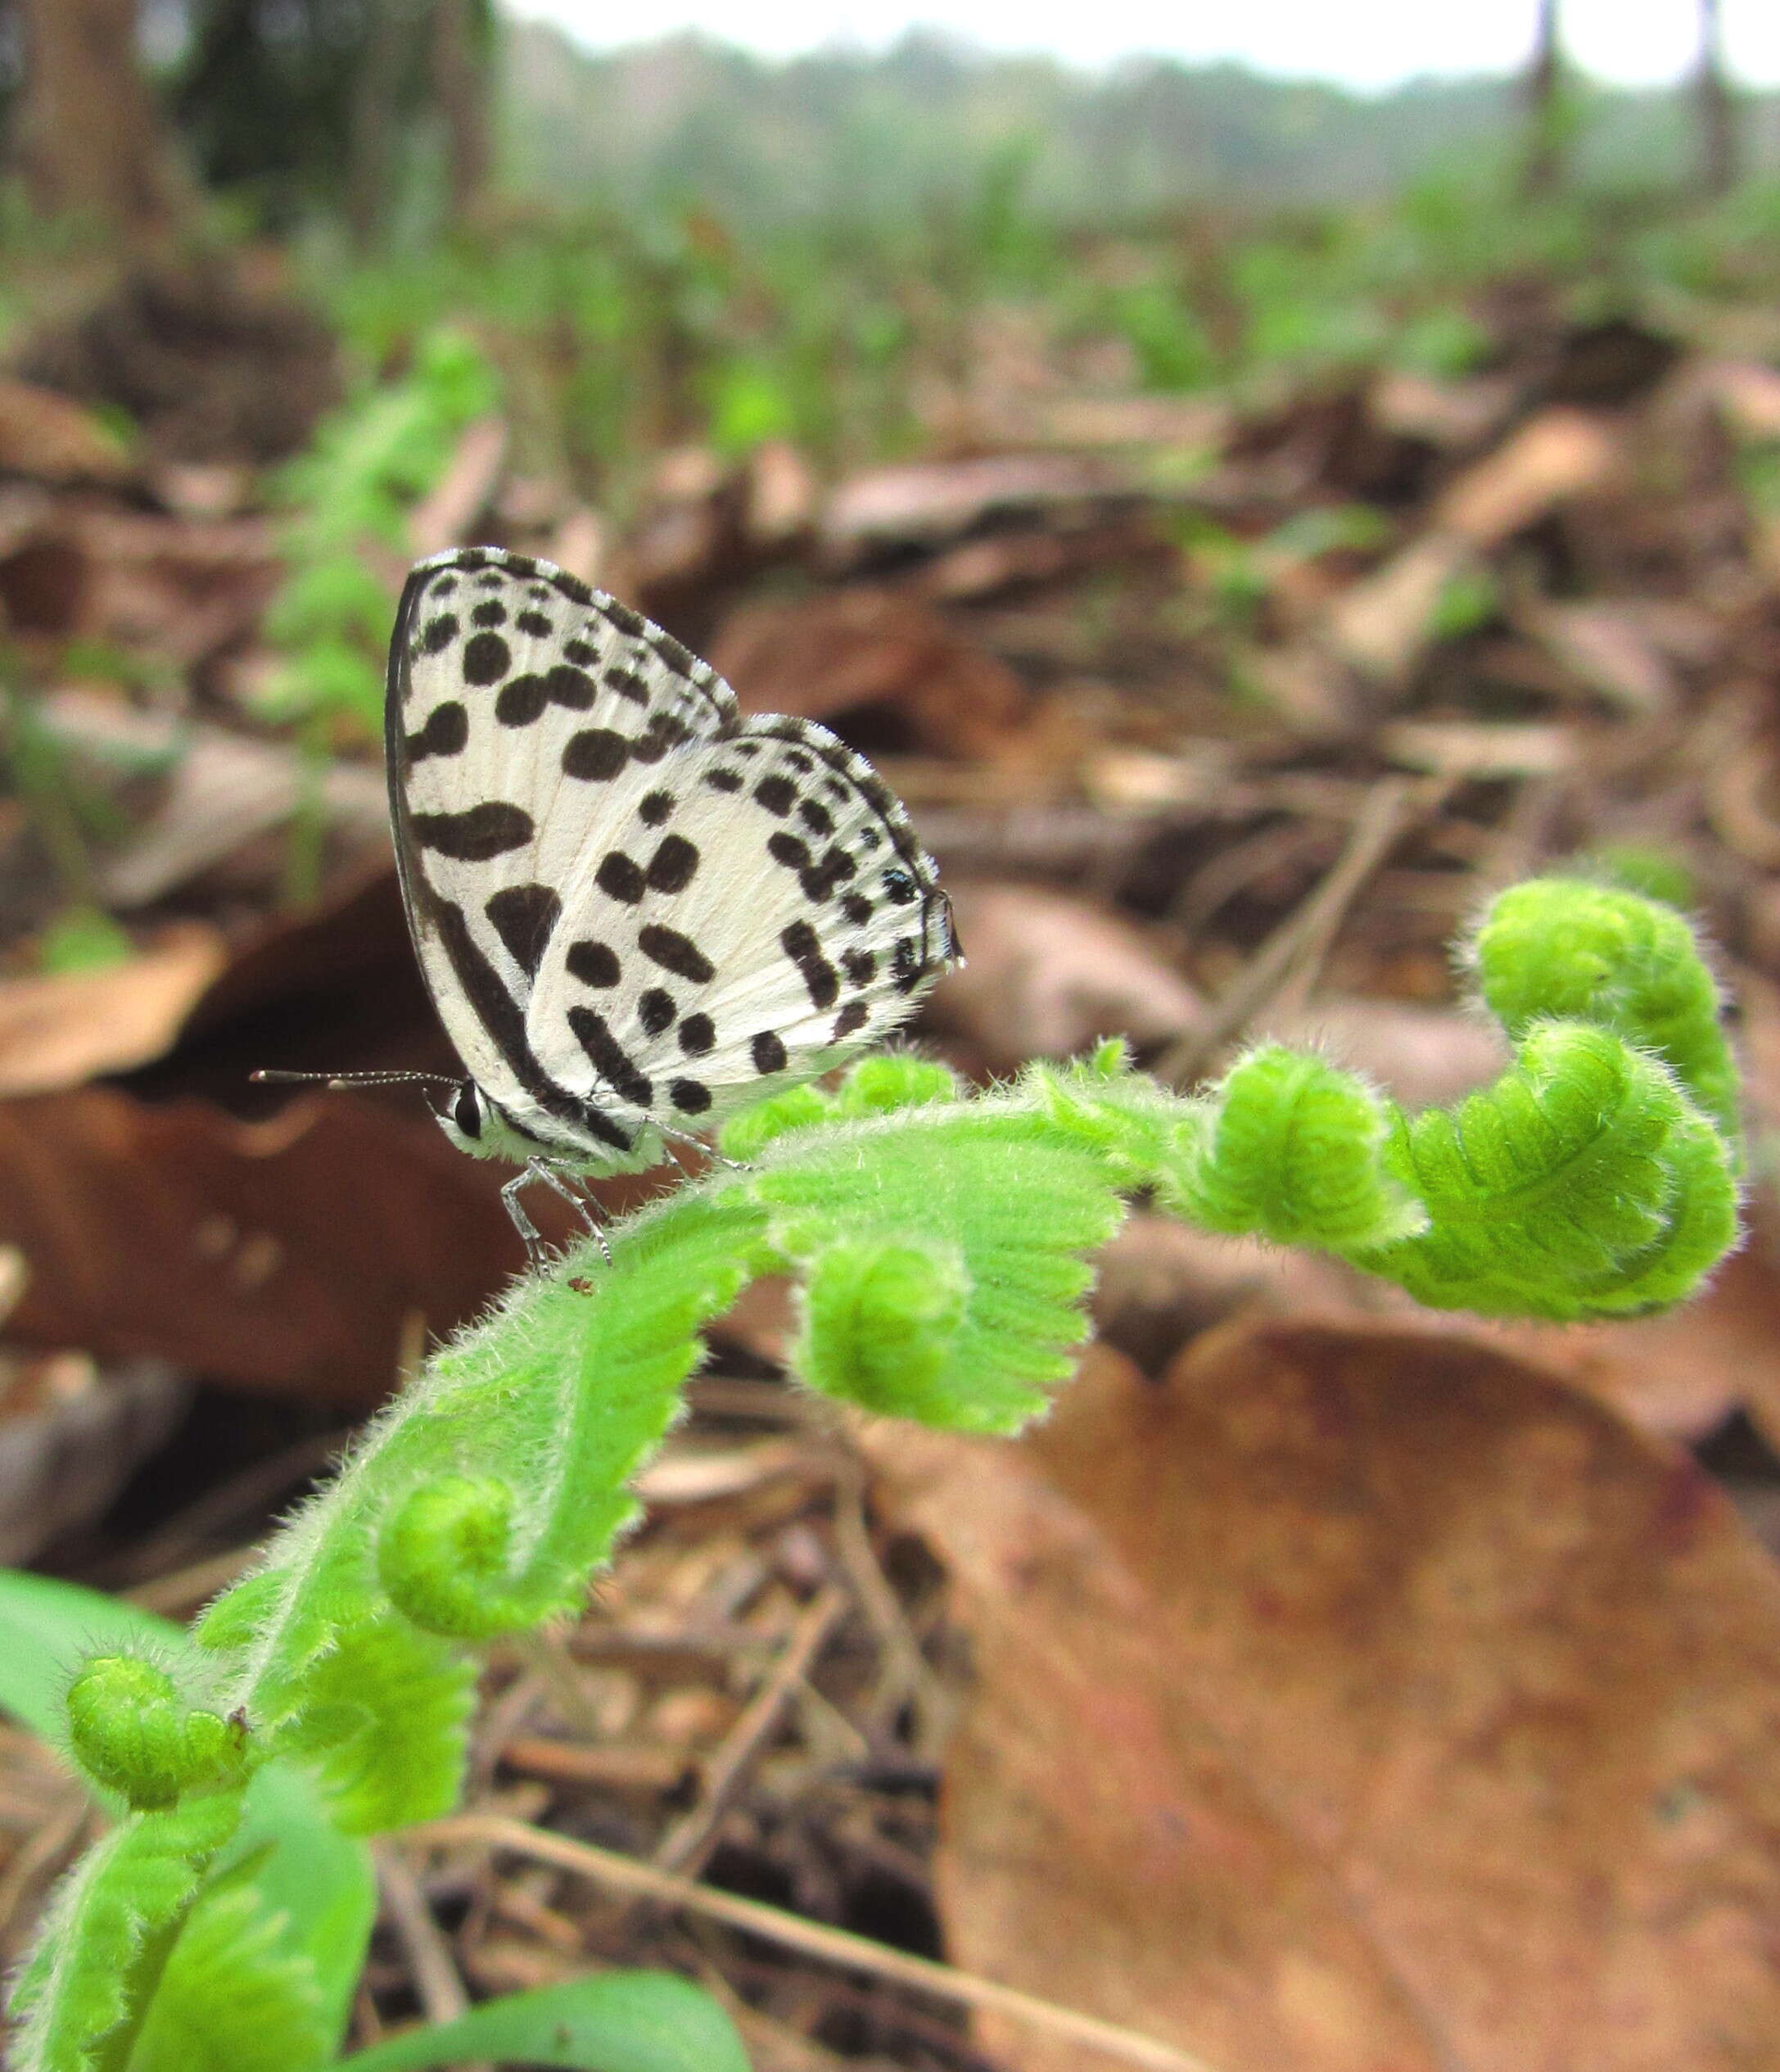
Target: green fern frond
(941, 1244)
(109, 1930)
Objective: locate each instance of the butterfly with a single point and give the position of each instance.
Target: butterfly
(636, 908)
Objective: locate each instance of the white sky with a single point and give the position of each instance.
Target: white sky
(1366, 44)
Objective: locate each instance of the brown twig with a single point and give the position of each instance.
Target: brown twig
(1302, 940)
(687, 1843)
(810, 1938)
(430, 1965)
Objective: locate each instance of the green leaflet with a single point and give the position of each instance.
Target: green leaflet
(942, 1243)
(620, 2021)
(941, 1254)
(109, 1929)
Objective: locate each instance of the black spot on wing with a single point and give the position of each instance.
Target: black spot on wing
(621, 877)
(852, 1017)
(689, 1096)
(674, 952)
(534, 624)
(594, 964)
(608, 1057)
(777, 794)
(816, 816)
(818, 879)
(447, 732)
(697, 1034)
(860, 965)
(673, 864)
(656, 1010)
(628, 684)
(656, 808)
(857, 909)
(804, 947)
(439, 635)
(723, 780)
(489, 614)
(906, 967)
(485, 659)
(521, 700)
(595, 755)
(525, 918)
(769, 1053)
(477, 834)
(570, 687)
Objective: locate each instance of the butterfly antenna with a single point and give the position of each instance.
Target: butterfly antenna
(344, 1081)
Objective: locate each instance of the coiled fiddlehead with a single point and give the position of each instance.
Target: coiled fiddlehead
(940, 1243)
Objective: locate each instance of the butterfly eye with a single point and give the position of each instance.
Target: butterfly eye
(467, 1109)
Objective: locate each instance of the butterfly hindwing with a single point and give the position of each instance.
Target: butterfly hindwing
(632, 907)
(754, 909)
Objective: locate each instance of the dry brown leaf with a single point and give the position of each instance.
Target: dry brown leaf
(71, 1433)
(1101, 1843)
(1506, 1673)
(48, 436)
(449, 510)
(1554, 456)
(1383, 625)
(283, 1256)
(220, 791)
(875, 656)
(1044, 974)
(933, 504)
(62, 1029)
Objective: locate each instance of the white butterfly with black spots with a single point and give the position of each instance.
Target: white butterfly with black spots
(636, 910)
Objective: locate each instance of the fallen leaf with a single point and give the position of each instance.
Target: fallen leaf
(71, 1433)
(1101, 1844)
(218, 791)
(288, 1255)
(1350, 1630)
(46, 435)
(62, 1029)
(449, 510)
(929, 505)
(889, 663)
(1558, 454)
(1384, 623)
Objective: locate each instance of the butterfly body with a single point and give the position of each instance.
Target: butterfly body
(636, 909)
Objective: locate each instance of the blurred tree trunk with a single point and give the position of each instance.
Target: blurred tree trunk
(373, 157)
(1544, 153)
(460, 87)
(88, 137)
(1720, 145)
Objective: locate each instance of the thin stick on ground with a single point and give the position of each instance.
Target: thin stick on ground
(624, 1874)
(1301, 942)
(688, 1842)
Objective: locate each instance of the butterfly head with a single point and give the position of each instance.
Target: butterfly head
(464, 1115)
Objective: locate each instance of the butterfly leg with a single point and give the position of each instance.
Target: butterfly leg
(678, 1141)
(582, 1206)
(535, 1255)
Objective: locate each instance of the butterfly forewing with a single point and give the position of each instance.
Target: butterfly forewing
(635, 909)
